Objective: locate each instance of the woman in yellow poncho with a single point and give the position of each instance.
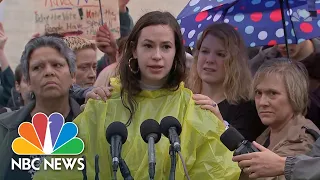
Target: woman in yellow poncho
(150, 87)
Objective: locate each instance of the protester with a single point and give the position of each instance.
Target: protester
(281, 96)
(6, 73)
(150, 86)
(86, 60)
(49, 69)
(220, 72)
(109, 48)
(20, 95)
(308, 53)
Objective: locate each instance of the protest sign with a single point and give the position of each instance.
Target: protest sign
(76, 17)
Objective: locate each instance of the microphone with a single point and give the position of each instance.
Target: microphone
(151, 134)
(234, 141)
(171, 128)
(116, 135)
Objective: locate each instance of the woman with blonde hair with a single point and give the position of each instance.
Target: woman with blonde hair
(220, 73)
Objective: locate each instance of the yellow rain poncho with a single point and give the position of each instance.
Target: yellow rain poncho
(206, 157)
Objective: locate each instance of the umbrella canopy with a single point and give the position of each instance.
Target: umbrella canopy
(259, 22)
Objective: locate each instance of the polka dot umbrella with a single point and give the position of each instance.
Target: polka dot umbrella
(260, 22)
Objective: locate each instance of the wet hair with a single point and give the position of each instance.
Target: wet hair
(238, 77)
(130, 85)
(47, 41)
(295, 79)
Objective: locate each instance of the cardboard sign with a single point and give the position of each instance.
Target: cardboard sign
(76, 17)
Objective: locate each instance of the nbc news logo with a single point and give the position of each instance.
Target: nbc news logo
(47, 136)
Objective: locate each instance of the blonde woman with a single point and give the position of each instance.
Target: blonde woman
(221, 75)
(281, 95)
(86, 60)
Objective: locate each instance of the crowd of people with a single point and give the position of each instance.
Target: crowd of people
(148, 73)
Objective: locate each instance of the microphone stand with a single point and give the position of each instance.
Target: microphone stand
(173, 162)
(124, 169)
(96, 167)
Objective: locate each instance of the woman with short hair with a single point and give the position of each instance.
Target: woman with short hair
(281, 95)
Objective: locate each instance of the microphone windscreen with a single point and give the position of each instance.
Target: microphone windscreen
(148, 127)
(168, 122)
(117, 128)
(231, 138)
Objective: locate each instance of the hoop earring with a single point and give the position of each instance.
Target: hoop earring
(133, 71)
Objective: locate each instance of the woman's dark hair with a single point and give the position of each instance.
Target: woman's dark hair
(130, 85)
(121, 42)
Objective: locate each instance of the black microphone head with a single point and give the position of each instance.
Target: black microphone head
(168, 122)
(148, 127)
(231, 138)
(117, 128)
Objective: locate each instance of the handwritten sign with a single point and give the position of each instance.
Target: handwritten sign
(76, 17)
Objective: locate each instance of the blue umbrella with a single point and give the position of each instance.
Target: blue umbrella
(260, 22)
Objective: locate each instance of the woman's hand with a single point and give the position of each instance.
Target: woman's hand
(208, 104)
(261, 164)
(99, 93)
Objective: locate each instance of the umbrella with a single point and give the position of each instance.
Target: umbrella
(259, 22)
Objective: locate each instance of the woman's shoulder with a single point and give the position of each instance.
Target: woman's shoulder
(301, 129)
(299, 139)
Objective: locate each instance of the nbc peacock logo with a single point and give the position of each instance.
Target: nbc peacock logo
(47, 136)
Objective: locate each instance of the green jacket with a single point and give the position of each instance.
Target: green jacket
(9, 123)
